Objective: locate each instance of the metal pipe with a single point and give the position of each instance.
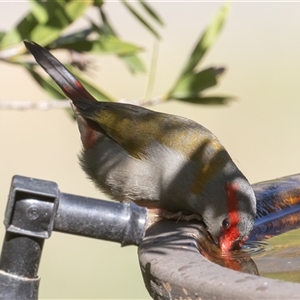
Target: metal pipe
(111, 221)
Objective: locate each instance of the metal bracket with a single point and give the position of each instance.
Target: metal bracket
(31, 207)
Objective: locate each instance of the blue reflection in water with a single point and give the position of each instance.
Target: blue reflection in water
(278, 207)
(278, 212)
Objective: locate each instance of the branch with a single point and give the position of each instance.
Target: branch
(25, 105)
(62, 104)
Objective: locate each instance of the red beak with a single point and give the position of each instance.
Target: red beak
(227, 245)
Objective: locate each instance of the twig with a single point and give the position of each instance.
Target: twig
(62, 104)
(152, 72)
(7, 54)
(25, 105)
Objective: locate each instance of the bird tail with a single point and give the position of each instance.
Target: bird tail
(58, 72)
(81, 98)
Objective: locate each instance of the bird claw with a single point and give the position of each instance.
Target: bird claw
(179, 216)
(160, 214)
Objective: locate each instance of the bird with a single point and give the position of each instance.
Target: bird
(157, 160)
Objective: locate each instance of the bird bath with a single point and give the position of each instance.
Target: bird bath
(274, 245)
(279, 257)
(278, 215)
(173, 268)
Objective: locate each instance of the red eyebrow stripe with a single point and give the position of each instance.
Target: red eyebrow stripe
(233, 211)
(232, 203)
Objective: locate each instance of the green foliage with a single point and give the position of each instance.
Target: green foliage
(140, 18)
(47, 21)
(46, 83)
(103, 45)
(191, 82)
(96, 91)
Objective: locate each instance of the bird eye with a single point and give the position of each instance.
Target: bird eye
(225, 223)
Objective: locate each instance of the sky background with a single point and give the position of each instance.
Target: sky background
(259, 46)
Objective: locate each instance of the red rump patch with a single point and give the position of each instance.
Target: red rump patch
(232, 233)
(90, 139)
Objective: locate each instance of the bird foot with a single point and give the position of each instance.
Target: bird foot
(180, 216)
(160, 214)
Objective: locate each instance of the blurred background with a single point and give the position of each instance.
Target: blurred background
(259, 46)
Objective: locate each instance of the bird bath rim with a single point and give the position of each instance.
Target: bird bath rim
(173, 268)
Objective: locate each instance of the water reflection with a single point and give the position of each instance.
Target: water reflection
(278, 212)
(237, 260)
(255, 248)
(278, 207)
(281, 258)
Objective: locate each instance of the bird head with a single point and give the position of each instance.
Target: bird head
(230, 221)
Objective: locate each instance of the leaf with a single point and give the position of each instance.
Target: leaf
(210, 100)
(98, 93)
(104, 45)
(192, 84)
(75, 37)
(106, 28)
(46, 21)
(112, 44)
(20, 32)
(206, 40)
(39, 11)
(47, 84)
(151, 12)
(133, 63)
(138, 16)
(98, 3)
(131, 60)
(60, 16)
(189, 83)
(2, 34)
(53, 90)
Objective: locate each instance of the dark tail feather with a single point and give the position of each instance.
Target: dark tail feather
(64, 79)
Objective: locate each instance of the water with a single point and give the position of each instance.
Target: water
(278, 257)
(275, 245)
(273, 248)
